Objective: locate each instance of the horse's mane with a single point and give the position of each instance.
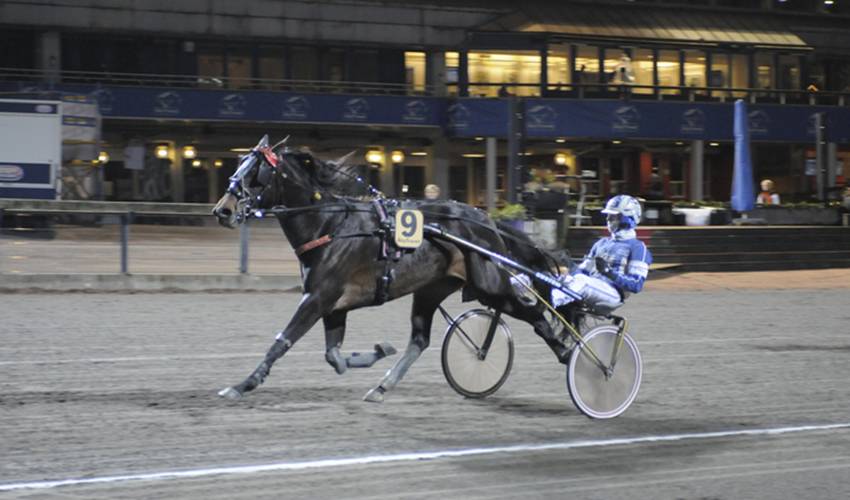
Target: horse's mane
(338, 177)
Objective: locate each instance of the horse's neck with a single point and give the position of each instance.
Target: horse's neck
(307, 226)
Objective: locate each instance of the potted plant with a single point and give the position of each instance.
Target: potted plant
(511, 213)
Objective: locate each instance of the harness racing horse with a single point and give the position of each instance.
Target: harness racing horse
(342, 247)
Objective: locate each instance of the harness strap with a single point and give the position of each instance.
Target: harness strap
(306, 247)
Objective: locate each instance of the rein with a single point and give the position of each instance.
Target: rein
(274, 161)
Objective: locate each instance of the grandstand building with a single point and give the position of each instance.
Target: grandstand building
(620, 93)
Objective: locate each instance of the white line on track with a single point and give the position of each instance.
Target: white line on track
(406, 457)
(529, 346)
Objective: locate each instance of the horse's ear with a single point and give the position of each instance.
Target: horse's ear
(264, 142)
(281, 143)
(339, 162)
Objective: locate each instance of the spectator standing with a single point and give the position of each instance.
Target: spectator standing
(767, 196)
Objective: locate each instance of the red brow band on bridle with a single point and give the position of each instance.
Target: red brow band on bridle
(270, 156)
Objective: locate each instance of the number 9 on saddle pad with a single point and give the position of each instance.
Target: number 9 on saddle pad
(408, 228)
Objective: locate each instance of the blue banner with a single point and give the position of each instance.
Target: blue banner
(478, 117)
(270, 106)
(595, 119)
(619, 119)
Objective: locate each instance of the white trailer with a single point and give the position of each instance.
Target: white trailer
(30, 149)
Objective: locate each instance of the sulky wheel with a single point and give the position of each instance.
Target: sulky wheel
(595, 393)
(468, 370)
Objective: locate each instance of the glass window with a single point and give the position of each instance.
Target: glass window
(642, 64)
(668, 70)
(239, 69)
(764, 70)
(558, 70)
(364, 65)
(23, 55)
(210, 67)
(452, 64)
(587, 64)
(677, 177)
(589, 170)
(719, 74)
(270, 66)
(616, 175)
(489, 71)
(333, 64)
(414, 68)
(740, 73)
(789, 72)
(611, 62)
(304, 63)
(694, 68)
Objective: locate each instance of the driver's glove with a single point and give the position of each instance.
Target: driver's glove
(603, 268)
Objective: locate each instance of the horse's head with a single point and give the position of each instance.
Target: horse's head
(267, 177)
(248, 185)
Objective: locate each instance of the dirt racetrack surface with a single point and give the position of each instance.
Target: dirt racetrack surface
(106, 396)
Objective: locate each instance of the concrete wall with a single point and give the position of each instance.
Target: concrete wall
(353, 21)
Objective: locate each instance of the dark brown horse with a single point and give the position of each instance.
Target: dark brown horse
(343, 249)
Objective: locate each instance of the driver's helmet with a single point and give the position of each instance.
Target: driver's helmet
(627, 207)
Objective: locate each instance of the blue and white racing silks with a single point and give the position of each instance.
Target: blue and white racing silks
(626, 256)
(628, 260)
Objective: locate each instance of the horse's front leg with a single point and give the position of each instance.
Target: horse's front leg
(308, 313)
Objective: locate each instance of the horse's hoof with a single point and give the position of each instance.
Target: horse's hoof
(384, 349)
(376, 395)
(230, 393)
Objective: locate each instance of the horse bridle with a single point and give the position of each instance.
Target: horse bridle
(246, 196)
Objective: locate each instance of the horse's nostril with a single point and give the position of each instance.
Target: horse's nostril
(224, 212)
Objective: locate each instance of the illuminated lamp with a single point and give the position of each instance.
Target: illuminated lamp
(375, 156)
(560, 159)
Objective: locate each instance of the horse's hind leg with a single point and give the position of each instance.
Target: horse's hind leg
(307, 314)
(534, 316)
(424, 306)
(335, 334)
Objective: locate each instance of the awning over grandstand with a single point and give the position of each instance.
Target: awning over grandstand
(656, 23)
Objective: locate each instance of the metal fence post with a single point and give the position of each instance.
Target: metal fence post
(243, 247)
(126, 219)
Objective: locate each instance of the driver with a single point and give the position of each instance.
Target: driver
(616, 265)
